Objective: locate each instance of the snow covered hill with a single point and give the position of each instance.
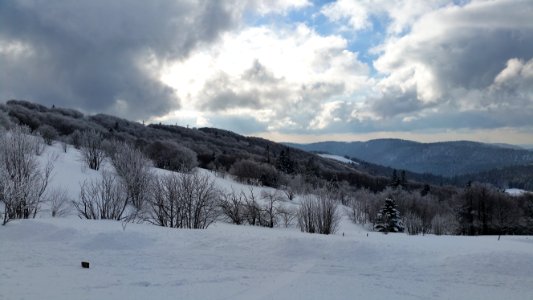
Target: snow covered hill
(40, 259)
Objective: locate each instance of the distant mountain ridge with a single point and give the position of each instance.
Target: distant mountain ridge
(442, 158)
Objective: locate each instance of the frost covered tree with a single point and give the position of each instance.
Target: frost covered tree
(318, 213)
(59, 202)
(92, 149)
(104, 198)
(23, 181)
(413, 223)
(48, 133)
(388, 219)
(184, 201)
(134, 170)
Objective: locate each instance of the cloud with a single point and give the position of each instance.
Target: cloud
(470, 63)
(102, 55)
(279, 76)
(398, 14)
(281, 66)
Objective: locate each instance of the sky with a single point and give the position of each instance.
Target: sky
(286, 70)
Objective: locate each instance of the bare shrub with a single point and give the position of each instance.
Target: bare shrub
(252, 209)
(232, 205)
(307, 214)
(184, 201)
(413, 223)
(363, 207)
(286, 214)
(165, 208)
(92, 150)
(444, 224)
(22, 180)
(76, 139)
(39, 144)
(134, 170)
(318, 214)
(104, 198)
(59, 201)
(270, 207)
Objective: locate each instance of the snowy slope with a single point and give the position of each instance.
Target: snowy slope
(40, 259)
(516, 192)
(338, 158)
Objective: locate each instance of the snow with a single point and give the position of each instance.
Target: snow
(516, 192)
(338, 158)
(40, 259)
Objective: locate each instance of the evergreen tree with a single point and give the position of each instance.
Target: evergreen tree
(403, 179)
(388, 219)
(285, 162)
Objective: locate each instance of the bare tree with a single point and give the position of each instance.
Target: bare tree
(76, 139)
(200, 196)
(252, 209)
(165, 209)
(363, 206)
(270, 207)
(232, 205)
(413, 223)
(287, 215)
(92, 150)
(184, 201)
(39, 144)
(59, 201)
(104, 198)
(307, 214)
(318, 213)
(444, 224)
(134, 170)
(23, 180)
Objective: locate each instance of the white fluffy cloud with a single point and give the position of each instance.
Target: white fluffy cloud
(469, 63)
(279, 76)
(400, 14)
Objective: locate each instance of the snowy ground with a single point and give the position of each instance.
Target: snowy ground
(40, 259)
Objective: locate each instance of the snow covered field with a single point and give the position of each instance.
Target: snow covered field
(40, 259)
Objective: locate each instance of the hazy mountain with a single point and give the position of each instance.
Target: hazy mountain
(443, 158)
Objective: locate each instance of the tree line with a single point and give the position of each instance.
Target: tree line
(134, 192)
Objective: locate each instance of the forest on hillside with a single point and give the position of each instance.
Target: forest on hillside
(325, 185)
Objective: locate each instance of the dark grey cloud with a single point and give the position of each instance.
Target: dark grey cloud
(101, 55)
(396, 102)
(442, 74)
